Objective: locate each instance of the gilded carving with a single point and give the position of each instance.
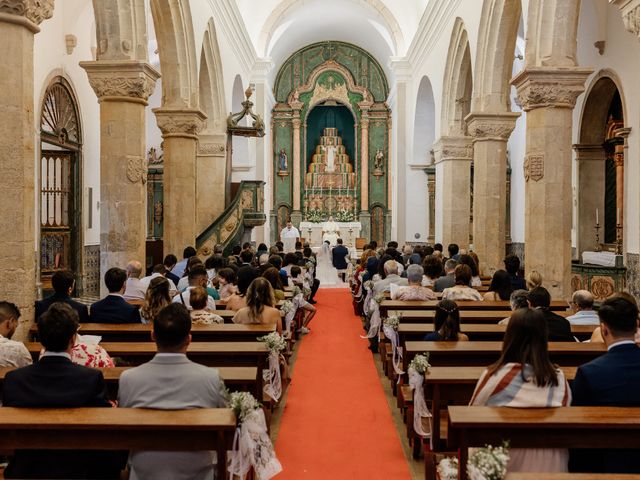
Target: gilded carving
(35, 10)
(576, 283)
(136, 169)
(247, 200)
(534, 167)
(602, 287)
(228, 228)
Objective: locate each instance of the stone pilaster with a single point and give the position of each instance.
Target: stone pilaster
(297, 148)
(210, 179)
(179, 127)
(453, 162)
(431, 190)
(490, 132)
(364, 156)
(548, 95)
(19, 20)
(122, 88)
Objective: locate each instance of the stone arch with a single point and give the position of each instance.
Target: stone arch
(121, 30)
(176, 48)
(603, 115)
(211, 82)
(494, 61)
(457, 82)
(283, 7)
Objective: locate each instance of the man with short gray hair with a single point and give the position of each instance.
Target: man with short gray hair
(447, 280)
(582, 305)
(391, 272)
(415, 290)
(517, 300)
(134, 288)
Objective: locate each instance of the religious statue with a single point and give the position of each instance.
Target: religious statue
(283, 163)
(330, 231)
(378, 163)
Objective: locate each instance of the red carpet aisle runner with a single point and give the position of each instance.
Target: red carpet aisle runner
(336, 423)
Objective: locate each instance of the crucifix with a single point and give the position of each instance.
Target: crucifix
(330, 183)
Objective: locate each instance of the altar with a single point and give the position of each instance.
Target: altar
(312, 232)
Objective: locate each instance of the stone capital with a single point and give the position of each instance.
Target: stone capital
(558, 87)
(491, 126)
(453, 149)
(179, 122)
(28, 13)
(121, 80)
(296, 105)
(630, 10)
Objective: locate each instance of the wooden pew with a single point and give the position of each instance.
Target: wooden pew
(386, 305)
(235, 378)
(454, 386)
(466, 316)
(563, 427)
(119, 429)
(477, 332)
(211, 354)
(451, 354)
(137, 332)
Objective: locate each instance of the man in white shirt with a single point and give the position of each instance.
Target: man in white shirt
(289, 236)
(197, 278)
(159, 271)
(12, 353)
(582, 305)
(134, 288)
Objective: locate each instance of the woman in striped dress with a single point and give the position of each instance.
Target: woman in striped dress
(525, 377)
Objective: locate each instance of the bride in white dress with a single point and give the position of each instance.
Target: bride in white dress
(325, 271)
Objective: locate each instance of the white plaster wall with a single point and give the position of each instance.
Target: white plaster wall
(50, 57)
(622, 55)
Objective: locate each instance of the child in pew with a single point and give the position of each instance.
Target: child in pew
(525, 377)
(446, 324)
(200, 315)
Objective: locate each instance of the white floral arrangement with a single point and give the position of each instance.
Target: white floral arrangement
(274, 341)
(420, 363)
(309, 265)
(392, 321)
(488, 463)
(296, 291)
(242, 404)
(287, 307)
(379, 297)
(307, 292)
(368, 284)
(448, 468)
(315, 216)
(345, 216)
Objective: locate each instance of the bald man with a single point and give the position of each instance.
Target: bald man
(582, 305)
(134, 288)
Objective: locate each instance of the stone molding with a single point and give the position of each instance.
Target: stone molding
(211, 148)
(588, 152)
(540, 87)
(630, 10)
(491, 126)
(121, 80)
(448, 148)
(179, 122)
(34, 11)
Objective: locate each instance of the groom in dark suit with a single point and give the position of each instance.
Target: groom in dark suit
(612, 380)
(339, 258)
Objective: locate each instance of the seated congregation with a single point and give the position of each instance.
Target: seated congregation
(208, 323)
(541, 354)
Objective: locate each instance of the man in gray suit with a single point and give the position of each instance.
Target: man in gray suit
(391, 268)
(170, 381)
(447, 280)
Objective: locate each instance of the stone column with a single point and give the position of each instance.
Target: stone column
(548, 95)
(490, 132)
(453, 161)
(122, 88)
(364, 156)
(19, 20)
(180, 127)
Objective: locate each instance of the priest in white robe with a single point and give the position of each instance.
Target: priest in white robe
(330, 231)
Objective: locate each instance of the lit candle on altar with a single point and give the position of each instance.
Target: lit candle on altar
(597, 222)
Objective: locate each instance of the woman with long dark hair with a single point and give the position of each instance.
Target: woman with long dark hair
(500, 288)
(524, 376)
(156, 298)
(260, 306)
(238, 300)
(446, 324)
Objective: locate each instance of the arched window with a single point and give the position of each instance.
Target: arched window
(60, 145)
